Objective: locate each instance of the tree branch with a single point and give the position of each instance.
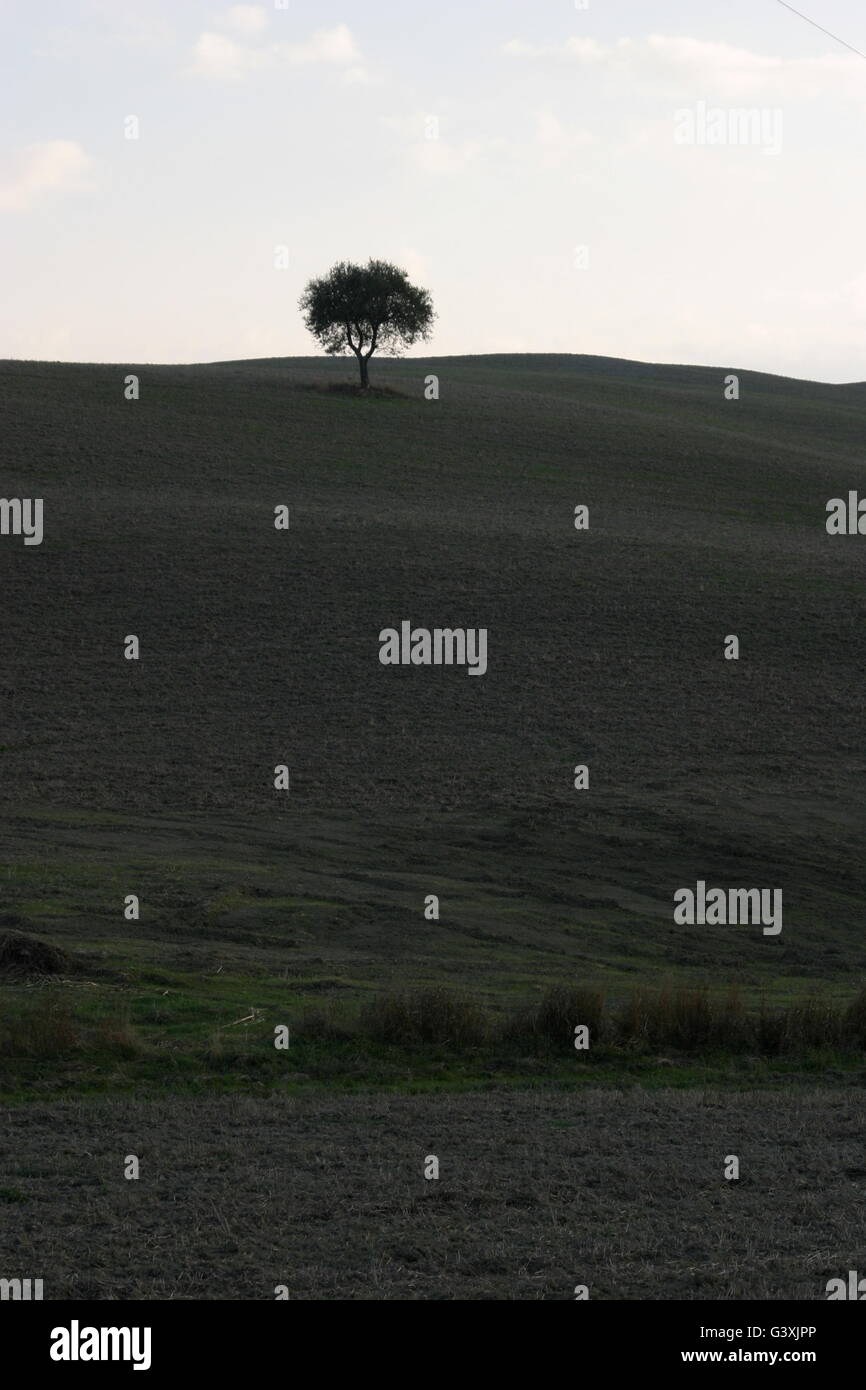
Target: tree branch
(374, 340)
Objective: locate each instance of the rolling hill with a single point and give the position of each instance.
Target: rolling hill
(260, 647)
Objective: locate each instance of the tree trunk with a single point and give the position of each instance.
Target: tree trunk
(362, 363)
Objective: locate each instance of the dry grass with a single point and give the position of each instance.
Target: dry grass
(681, 1018)
(425, 1016)
(538, 1191)
(45, 1025)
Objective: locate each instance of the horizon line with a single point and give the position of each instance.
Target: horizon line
(323, 358)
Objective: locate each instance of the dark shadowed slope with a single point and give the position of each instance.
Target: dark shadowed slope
(605, 647)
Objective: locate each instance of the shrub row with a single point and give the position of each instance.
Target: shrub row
(679, 1017)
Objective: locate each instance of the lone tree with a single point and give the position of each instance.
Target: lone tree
(365, 307)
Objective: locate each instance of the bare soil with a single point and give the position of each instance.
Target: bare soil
(538, 1192)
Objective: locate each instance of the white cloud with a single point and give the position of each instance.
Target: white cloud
(358, 76)
(440, 157)
(433, 153)
(584, 50)
(554, 141)
(325, 46)
(226, 59)
(548, 145)
(245, 19)
(216, 56)
(48, 167)
(731, 71)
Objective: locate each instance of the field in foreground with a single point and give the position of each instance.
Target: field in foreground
(537, 1193)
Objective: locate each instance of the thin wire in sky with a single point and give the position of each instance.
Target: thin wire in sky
(823, 31)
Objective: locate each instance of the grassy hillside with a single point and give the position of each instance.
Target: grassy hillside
(260, 647)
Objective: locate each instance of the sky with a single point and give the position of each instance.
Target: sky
(680, 181)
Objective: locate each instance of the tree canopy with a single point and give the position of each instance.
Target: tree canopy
(365, 309)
